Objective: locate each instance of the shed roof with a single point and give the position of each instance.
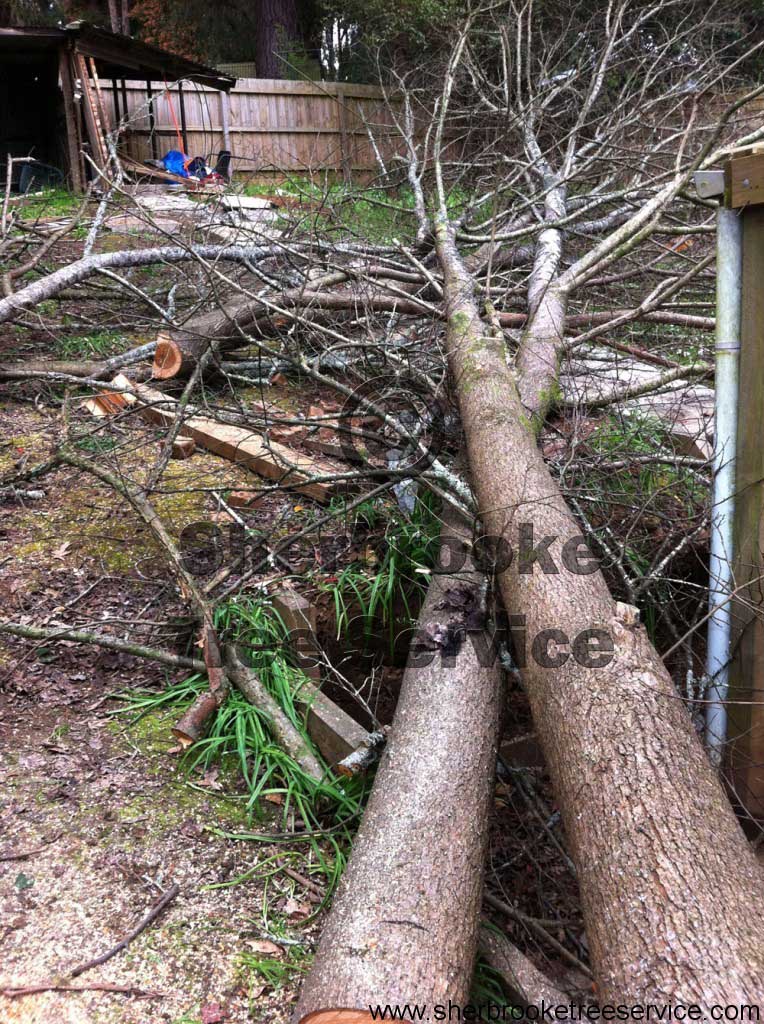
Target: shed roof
(118, 56)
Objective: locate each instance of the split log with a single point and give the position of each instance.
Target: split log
(672, 894)
(404, 925)
(344, 744)
(269, 459)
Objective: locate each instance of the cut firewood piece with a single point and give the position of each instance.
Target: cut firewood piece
(243, 499)
(192, 724)
(238, 444)
(285, 733)
(190, 727)
(524, 981)
(183, 447)
(168, 358)
(404, 924)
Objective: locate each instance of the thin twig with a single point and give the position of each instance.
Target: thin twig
(152, 915)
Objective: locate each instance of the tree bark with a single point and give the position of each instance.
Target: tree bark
(541, 346)
(672, 894)
(404, 924)
(525, 982)
(276, 29)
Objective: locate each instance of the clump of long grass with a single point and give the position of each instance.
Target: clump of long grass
(388, 590)
(241, 732)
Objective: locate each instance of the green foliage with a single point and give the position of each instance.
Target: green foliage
(275, 972)
(388, 591)
(240, 739)
(85, 346)
(55, 202)
(640, 435)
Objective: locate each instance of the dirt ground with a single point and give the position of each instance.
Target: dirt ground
(97, 816)
(96, 820)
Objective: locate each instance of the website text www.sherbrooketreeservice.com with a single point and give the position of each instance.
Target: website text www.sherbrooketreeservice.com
(653, 1012)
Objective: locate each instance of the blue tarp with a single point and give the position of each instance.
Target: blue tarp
(175, 163)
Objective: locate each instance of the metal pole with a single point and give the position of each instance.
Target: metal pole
(225, 118)
(115, 97)
(183, 130)
(729, 276)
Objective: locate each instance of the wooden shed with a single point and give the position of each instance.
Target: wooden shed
(51, 106)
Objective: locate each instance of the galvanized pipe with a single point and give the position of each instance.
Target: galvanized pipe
(729, 275)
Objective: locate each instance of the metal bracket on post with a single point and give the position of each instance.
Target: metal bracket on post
(709, 184)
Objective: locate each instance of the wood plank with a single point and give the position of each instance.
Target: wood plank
(334, 732)
(744, 181)
(245, 447)
(99, 152)
(746, 696)
(74, 156)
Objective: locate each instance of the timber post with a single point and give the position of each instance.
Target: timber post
(744, 194)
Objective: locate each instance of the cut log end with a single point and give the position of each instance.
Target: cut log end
(168, 359)
(337, 1017)
(192, 724)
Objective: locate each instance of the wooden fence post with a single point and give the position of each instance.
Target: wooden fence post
(744, 190)
(345, 156)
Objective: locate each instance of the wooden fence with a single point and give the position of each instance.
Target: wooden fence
(272, 127)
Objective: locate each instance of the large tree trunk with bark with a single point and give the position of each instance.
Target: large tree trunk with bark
(276, 30)
(672, 894)
(404, 925)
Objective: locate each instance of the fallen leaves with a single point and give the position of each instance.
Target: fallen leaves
(213, 1013)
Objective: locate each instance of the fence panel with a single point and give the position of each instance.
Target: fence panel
(275, 127)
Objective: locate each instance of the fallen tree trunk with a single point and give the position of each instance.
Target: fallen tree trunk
(525, 982)
(672, 894)
(232, 325)
(404, 925)
(94, 369)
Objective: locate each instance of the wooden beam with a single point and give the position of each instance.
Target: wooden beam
(76, 169)
(336, 733)
(152, 118)
(746, 694)
(238, 444)
(225, 119)
(744, 181)
(183, 126)
(299, 618)
(92, 120)
(345, 156)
